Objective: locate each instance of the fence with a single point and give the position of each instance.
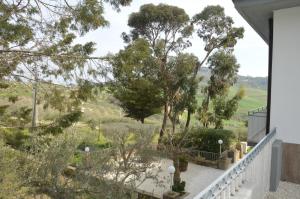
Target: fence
(205, 154)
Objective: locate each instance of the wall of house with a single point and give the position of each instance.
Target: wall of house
(285, 98)
(285, 103)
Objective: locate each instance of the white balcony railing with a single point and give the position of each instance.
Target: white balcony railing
(248, 178)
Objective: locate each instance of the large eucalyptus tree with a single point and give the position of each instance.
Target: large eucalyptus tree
(167, 29)
(217, 31)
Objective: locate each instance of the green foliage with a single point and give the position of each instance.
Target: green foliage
(179, 84)
(154, 22)
(16, 138)
(205, 139)
(179, 187)
(39, 50)
(167, 29)
(224, 108)
(140, 99)
(62, 123)
(136, 83)
(183, 158)
(15, 118)
(10, 170)
(224, 68)
(216, 29)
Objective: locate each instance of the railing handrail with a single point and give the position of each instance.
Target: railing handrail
(257, 110)
(228, 176)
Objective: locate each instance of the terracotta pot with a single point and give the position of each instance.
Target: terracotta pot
(224, 163)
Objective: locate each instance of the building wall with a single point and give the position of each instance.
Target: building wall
(285, 101)
(285, 98)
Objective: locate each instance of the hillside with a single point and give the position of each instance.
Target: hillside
(247, 81)
(104, 109)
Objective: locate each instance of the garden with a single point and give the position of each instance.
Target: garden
(58, 145)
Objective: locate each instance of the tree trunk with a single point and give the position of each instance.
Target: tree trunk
(188, 119)
(176, 178)
(164, 124)
(142, 120)
(174, 125)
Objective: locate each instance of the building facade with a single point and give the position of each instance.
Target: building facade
(278, 23)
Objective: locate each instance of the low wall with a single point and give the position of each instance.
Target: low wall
(291, 163)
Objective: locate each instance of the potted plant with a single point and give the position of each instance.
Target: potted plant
(171, 195)
(224, 162)
(179, 187)
(183, 163)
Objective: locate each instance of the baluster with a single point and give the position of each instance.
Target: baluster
(228, 192)
(236, 183)
(240, 176)
(223, 193)
(232, 188)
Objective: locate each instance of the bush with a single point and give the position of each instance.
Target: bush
(93, 145)
(204, 139)
(179, 187)
(15, 137)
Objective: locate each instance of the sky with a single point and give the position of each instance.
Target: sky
(251, 52)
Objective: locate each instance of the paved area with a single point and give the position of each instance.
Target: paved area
(196, 177)
(285, 190)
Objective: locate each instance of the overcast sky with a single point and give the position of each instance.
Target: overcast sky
(251, 51)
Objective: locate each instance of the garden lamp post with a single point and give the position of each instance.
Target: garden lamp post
(87, 151)
(220, 143)
(171, 170)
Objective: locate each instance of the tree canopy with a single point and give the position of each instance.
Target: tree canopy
(136, 81)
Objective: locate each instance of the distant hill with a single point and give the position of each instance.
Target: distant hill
(254, 82)
(246, 81)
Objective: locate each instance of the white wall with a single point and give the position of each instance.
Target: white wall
(285, 105)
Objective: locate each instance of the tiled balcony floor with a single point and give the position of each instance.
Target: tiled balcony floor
(286, 190)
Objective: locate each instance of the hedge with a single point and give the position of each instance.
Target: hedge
(205, 139)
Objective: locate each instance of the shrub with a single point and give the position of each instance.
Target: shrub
(179, 187)
(93, 145)
(15, 137)
(205, 139)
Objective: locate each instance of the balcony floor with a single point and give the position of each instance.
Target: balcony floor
(285, 190)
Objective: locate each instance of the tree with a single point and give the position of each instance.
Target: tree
(224, 69)
(180, 80)
(166, 28)
(136, 83)
(39, 49)
(216, 30)
(224, 108)
(38, 46)
(114, 172)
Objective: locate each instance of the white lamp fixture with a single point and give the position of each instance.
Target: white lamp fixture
(171, 170)
(220, 143)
